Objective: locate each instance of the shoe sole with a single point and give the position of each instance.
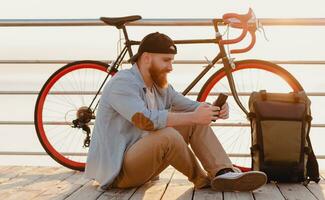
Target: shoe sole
(249, 181)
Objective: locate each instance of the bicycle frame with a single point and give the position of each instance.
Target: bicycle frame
(221, 55)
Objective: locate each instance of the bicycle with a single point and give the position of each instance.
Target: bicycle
(66, 104)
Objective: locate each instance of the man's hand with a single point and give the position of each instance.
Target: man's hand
(224, 112)
(204, 113)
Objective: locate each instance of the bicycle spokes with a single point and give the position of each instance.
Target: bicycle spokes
(64, 120)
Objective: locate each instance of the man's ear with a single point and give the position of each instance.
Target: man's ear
(146, 57)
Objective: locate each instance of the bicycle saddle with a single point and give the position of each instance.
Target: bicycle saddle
(119, 21)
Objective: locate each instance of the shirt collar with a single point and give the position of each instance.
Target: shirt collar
(135, 70)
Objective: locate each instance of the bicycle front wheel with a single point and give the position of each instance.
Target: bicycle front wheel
(249, 75)
(65, 97)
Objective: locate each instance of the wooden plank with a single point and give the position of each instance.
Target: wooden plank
(318, 190)
(238, 195)
(147, 191)
(120, 194)
(3, 168)
(5, 172)
(65, 188)
(40, 185)
(268, 192)
(322, 174)
(26, 178)
(295, 191)
(89, 191)
(51, 179)
(20, 181)
(179, 188)
(154, 189)
(9, 172)
(207, 194)
(14, 171)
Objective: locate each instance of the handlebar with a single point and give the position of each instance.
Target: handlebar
(241, 22)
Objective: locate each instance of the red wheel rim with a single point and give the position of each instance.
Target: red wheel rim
(239, 67)
(46, 89)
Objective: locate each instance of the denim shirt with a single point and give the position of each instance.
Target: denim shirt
(122, 117)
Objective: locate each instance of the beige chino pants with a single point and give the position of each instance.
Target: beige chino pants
(151, 154)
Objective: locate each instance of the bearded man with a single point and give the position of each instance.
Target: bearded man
(143, 125)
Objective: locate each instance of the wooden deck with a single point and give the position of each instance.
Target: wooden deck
(25, 182)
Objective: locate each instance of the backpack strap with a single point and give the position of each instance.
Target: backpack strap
(312, 165)
(250, 116)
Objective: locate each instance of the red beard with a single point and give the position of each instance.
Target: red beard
(158, 76)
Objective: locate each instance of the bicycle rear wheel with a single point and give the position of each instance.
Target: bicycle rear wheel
(65, 97)
(249, 75)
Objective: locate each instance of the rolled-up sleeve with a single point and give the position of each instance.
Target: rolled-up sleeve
(180, 103)
(124, 97)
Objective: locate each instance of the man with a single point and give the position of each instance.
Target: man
(143, 125)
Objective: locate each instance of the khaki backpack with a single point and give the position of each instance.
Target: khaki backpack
(281, 147)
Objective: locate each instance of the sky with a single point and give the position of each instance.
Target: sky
(158, 9)
(17, 42)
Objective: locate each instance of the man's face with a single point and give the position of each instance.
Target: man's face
(161, 64)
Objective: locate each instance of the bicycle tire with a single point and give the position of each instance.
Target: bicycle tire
(218, 79)
(45, 102)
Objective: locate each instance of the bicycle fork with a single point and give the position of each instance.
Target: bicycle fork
(227, 66)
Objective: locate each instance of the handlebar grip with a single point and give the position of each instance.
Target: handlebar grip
(250, 46)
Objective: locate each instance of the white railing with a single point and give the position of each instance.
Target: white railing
(147, 22)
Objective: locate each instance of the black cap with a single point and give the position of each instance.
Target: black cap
(155, 43)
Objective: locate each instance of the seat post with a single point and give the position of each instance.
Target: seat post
(127, 42)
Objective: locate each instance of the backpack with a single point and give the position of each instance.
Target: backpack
(281, 147)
